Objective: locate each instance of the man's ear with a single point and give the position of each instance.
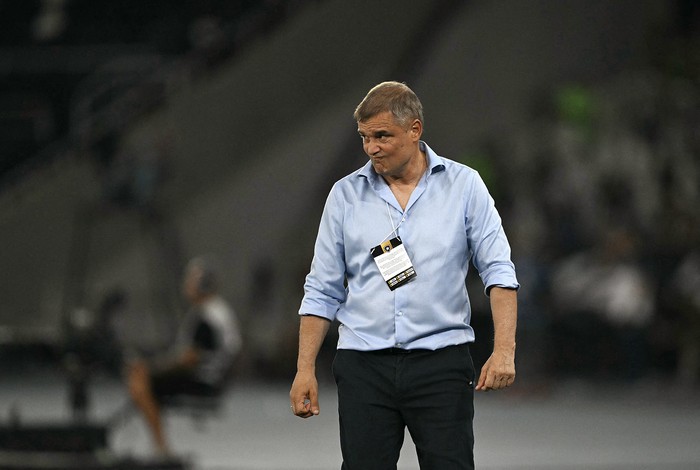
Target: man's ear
(416, 129)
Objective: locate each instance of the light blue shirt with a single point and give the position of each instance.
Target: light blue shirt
(449, 221)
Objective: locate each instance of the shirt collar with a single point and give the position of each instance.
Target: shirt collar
(435, 163)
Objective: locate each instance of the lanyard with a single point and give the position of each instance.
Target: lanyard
(394, 228)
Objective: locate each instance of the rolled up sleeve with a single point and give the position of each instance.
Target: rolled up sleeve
(324, 289)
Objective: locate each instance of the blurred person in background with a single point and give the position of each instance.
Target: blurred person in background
(201, 359)
(605, 303)
(390, 262)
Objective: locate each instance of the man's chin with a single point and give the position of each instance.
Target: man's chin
(378, 168)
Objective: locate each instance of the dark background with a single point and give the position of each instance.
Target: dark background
(135, 135)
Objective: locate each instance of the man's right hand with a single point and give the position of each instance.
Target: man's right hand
(303, 396)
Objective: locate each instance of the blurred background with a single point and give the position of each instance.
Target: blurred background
(135, 135)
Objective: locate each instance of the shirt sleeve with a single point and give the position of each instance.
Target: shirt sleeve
(324, 289)
(487, 240)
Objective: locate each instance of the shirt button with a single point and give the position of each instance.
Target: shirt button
(399, 314)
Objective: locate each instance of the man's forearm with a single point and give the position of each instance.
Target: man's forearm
(504, 308)
(312, 331)
(498, 371)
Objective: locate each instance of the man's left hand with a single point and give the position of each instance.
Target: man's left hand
(498, 372)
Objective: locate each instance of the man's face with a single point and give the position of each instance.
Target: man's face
(390, 147)
(190, 284)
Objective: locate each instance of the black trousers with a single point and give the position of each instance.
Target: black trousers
(381, 393)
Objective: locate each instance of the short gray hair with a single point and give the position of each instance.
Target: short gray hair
(395, 97)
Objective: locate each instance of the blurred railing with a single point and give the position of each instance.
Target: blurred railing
(130, 84)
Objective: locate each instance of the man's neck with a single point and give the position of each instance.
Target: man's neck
(202, 299)
(403, 185)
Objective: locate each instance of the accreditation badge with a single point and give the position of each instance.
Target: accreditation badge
(393, 263)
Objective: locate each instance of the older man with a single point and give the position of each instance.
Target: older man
(392, 253)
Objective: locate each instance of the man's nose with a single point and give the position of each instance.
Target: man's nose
(371, 147)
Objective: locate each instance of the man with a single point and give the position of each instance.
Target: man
(390, 262)
(202, 359)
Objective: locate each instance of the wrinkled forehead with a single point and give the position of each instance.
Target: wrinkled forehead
(381, 121)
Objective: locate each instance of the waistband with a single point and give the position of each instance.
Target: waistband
(398, 351)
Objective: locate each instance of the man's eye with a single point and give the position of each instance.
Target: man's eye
(377, 138)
